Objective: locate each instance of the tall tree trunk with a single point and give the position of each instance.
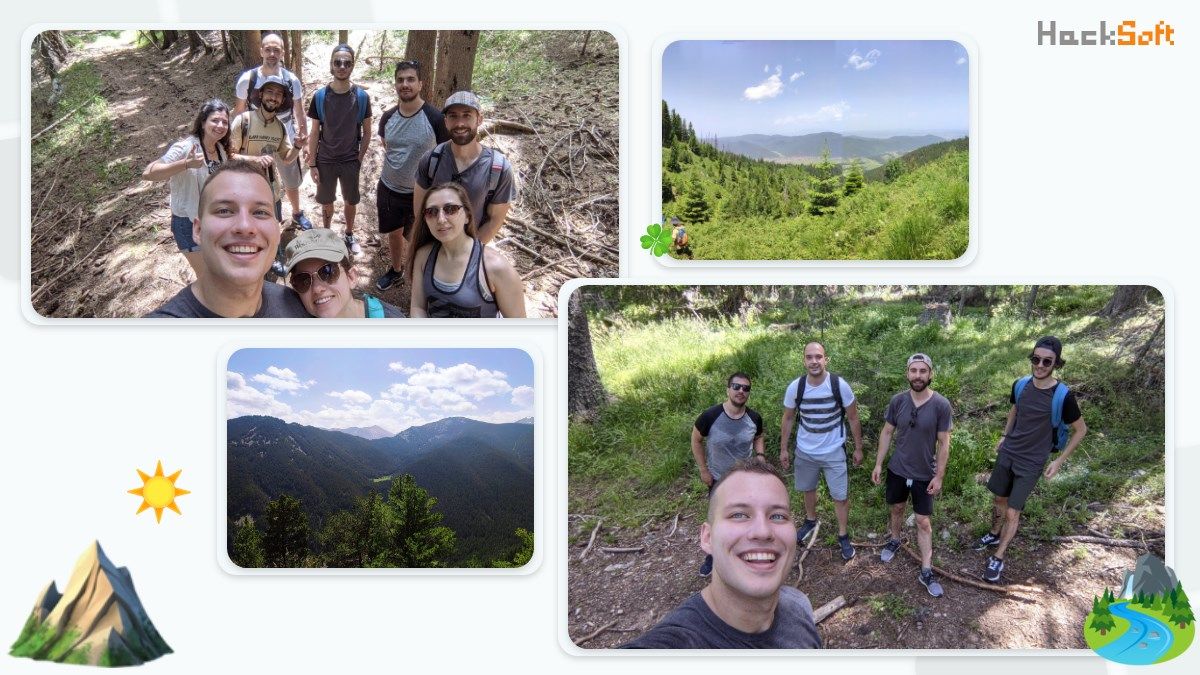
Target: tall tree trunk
(422, 47)
(1033, 291)
(225, 46)
(196, 42)
(1124, 299)
(252, 48)
(455, 63)
(296, 55)
(585, 391)
(52, 50)
(343, 37)
(169, 38)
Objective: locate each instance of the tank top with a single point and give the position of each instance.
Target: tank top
(464, 301)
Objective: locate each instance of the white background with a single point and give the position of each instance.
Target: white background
(1086, 173)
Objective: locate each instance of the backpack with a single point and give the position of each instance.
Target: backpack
(254, 96)
(499, 164)
(374, 307)
(364, 104)
(835, 385)
(1062, 432)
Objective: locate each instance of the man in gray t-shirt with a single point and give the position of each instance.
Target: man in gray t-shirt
(920, 421)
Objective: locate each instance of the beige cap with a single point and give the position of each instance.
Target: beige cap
(321, 243)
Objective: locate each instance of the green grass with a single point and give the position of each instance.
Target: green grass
(890, 604)
(510, 63)
(634, 462)
(1093, 637)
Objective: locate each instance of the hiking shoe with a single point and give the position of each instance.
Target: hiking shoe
(889, 551)
(389, 278)
(994, 567)
(302, 220)
(706, 566)
(986, 540)
(930, 583)
(352, 245)
(805, 529)
(847, 547)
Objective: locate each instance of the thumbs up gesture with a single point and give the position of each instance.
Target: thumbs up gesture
(194, 159)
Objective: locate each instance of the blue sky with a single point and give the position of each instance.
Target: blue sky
(868, 87)
(392, 388)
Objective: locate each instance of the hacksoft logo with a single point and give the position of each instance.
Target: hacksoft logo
(1127, 33)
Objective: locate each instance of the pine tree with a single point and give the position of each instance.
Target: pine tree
(673, 165)
(357, 538)
(668, 194)
(247, 549)
(893, 169)
(417, 538)
(823, 198)
(666, 126)
(1102, 622)
(285, 542)
(676, 126)
(696, 208)
(523, 554)
(1181, 612)
(854, 180)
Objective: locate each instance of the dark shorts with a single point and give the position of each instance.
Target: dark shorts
(181, 227)
(343, 173)
(395, 209)
(1013, 482)
(898, 490)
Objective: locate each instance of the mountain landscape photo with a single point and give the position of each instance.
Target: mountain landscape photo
(306, 489)
(816, 150)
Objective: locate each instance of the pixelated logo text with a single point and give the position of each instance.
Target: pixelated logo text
(1127, 33)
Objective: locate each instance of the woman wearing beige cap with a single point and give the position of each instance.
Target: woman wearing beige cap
(320, 272)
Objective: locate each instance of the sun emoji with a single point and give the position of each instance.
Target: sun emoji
(158, 492)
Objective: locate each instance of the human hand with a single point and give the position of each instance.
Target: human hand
(194, 159)
(784, 461)
(1053, 468)
(706, 477)
(312, 171)
(858, 456)
(266, 161)
(876, 474)
(935, 486)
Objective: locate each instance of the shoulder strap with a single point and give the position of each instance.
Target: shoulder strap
(801, 385)
(1019, 386)
(435, 159)
(1061, 432)
(245, 124)
(835, 386)
(319, 103)
(253, 81)
(374, 307)
(499, 164)
(363, 102)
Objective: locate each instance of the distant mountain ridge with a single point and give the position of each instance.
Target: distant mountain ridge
(370, 433)
(780, 148)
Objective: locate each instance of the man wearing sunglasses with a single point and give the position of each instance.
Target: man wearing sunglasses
(1044, 418)
(725, 433)
(920, 420)
(238, 234)
(339, 112)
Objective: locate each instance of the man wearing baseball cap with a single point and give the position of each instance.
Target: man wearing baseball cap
(920, 420)
(1044, 418)
(485, 173)
(320, 271)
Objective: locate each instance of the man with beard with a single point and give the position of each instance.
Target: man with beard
(725, 433)
(822, 403)
(485, 173)
(258, 136)
(750, 534)
(920, 419)
(1044, 418)
(238, 234)
(408, 130)
(291, 116)
(339, 111)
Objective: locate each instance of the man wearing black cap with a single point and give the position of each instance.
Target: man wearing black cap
(1044, 418)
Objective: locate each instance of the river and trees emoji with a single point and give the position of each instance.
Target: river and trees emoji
(98, 620)
(1150, 622)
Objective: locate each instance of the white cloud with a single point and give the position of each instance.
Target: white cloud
(860, 62)
(768, 88)
(243, 399)
(464, 378)
(398, 367)
(282, 379)
(766, 67)
(523, 396)
(827, 113)
(961, 60)
(795, 76)
(351, 396)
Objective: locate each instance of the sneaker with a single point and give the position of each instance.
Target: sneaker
(930, 583)
(847, 547)
(706, 566)
(986, 540)
(352, 245)
(302, 220)
(994, 567)
(805, 530)
(389, 278)
(889, 550)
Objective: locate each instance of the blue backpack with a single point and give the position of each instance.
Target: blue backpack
(364, 104)
(1062, 432)
(374, 307)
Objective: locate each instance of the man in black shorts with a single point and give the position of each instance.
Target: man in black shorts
(408, 130)
(920, 419)
(1044, 418)
(339, 111)
(725, 433)
(751, 536)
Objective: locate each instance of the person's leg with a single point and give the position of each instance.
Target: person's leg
(293, 195)
(348, 179)
(896, 519)
(999, 509)
(326, 186)
(925, 541)
(810, 504)
(841, 507)
(397, 246)
(351, 210)
(1012, 518)
(837, 479)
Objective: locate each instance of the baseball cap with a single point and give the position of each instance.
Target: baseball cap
(462, 98)
(320, 243)
(920, 358)
(272, 79)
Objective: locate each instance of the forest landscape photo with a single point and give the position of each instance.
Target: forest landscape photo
(816, 149)
(379, 458)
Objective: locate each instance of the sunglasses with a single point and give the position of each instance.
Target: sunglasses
(912, 420)
(1045, 362)
(327, 273)
(432, 212)
(340, 63)
(411, 64)
(740, 387)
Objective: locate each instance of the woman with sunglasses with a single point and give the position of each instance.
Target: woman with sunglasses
(450, 272)
(321, 273)
(187, 164)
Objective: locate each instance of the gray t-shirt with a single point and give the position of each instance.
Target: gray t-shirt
(405, 140)
(1032, 437)
(339, 131)
(694, 626)
(727, 439)
(917, 428)
(278, 302)
(474, 178)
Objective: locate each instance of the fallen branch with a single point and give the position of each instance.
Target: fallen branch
(60, 120)
(1104, 541)
(596, 632)
(826, 610)
(508, 126)
(998, 588)
(674, 526)
(555, 237)
(592, 539)
(631, 549)
(804, 554)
